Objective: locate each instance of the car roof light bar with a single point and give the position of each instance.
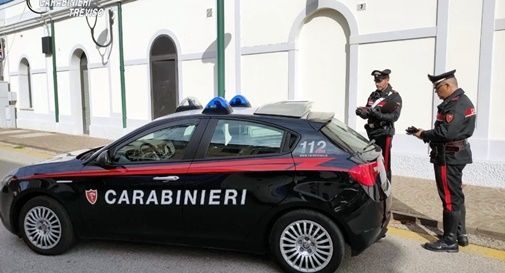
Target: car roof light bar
(218, 105)
(189, 103)
(239, 101)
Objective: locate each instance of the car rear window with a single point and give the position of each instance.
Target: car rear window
(344, 136)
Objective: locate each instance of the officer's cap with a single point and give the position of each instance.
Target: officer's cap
(380, 75)
(435, 79)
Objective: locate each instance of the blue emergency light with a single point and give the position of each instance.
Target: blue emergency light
(239, 101)
(218, 105)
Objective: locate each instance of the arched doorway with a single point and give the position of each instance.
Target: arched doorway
(25, 84)
(83, 75)
(324, 62)
(164, 85)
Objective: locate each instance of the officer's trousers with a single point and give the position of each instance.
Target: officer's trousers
(450, 190)
(385, 142)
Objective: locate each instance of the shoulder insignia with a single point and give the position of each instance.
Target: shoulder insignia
(470, 111)
(449, 118)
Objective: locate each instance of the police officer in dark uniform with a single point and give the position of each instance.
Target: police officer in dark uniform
(450, 152)
(382, 110)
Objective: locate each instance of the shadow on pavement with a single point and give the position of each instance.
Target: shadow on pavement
(125, 257)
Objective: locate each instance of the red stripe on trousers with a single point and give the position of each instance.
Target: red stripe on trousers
(387, 152)
(447, 194)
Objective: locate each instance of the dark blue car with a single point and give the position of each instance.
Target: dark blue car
(278, 179)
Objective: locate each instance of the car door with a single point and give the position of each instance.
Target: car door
(138, 195)
(241, 171)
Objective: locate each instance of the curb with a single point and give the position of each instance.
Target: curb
(33, 147)
(407, 217)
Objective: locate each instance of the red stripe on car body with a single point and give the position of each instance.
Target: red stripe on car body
(240, 165)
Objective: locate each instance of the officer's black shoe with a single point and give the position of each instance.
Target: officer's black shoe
(442, 245)
(463, 240)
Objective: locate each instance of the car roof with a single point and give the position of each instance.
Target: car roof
(282, 109)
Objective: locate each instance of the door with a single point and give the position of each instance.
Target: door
(138, 197)
(164, 87)
(241, 171)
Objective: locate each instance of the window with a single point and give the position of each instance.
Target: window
(344, 136)
(168, 144)
(25, 84)
(233, 138)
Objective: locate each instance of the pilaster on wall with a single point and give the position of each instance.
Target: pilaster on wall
(440, 47)
(485, 69)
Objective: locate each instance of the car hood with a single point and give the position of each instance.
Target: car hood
(65, 157)
(62, 163)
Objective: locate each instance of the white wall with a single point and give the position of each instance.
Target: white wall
(186, 19)
(265, 77)
(497, 130)
(323, 61)
(268, 22)
(463, 45)
(394, 15)
(499, 9)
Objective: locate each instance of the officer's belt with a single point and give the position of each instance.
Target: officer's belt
(452, 146)
(380, 124)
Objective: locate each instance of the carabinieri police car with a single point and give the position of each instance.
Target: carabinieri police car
(278, 179)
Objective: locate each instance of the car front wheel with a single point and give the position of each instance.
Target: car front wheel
(307, 241)
(45, 226)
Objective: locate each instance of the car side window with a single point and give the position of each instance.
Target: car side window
(235, 138)
(167, 144)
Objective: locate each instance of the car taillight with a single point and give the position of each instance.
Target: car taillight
(364, 174)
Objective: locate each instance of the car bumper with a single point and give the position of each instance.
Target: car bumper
(5, 209)
(369, 224)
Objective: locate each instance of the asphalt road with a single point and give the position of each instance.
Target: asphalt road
(400, 251)
(392, 254)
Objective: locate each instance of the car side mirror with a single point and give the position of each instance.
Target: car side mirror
(103, 159)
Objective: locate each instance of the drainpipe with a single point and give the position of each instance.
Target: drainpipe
(220, 48)
(121, 63)
(55, 75)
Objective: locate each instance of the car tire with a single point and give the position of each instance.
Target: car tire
(45, 226)
(307, 241)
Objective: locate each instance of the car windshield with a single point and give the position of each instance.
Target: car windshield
(344, 136)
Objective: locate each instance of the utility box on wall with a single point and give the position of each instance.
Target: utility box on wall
(7, 106)
(47, 45)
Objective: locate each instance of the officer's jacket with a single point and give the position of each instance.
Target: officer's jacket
(383, 113)
(455, 123)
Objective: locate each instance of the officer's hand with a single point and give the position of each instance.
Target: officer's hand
(418, 133)
(412, 130)
(362, 112)
(376, 113)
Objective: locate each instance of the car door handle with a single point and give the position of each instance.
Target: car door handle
(166, 178)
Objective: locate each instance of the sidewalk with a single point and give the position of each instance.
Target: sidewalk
(413, 198)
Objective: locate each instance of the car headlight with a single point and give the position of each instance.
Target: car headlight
(7, 179)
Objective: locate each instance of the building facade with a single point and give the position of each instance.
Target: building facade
(319, 50)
